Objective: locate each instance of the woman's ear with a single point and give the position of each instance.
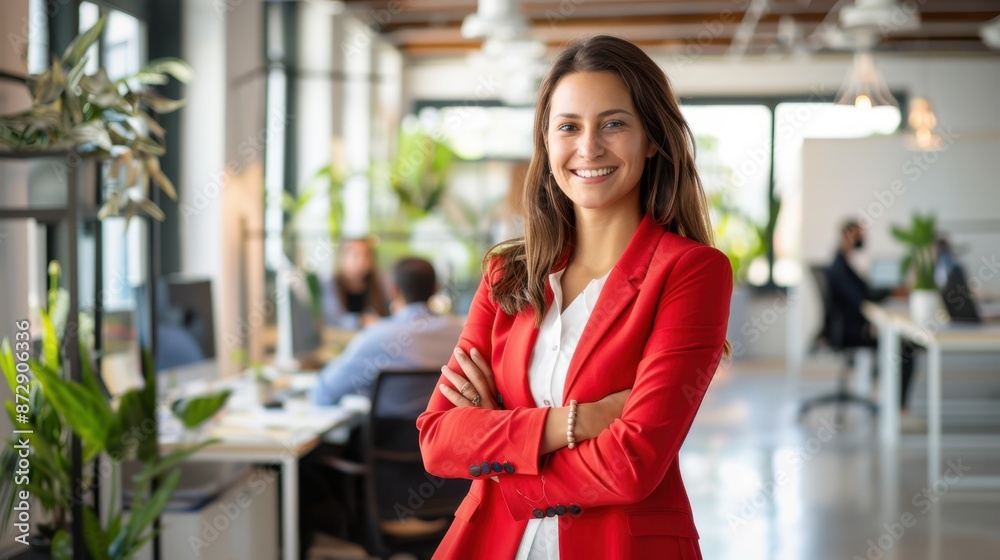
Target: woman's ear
(651, 150)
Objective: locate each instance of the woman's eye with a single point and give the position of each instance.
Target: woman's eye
(566, 127)
(615, 124)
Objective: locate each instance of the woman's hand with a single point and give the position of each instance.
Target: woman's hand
(591, 419)
(477, 387)
(594, 418)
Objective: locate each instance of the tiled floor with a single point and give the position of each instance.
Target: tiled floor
(765, 487)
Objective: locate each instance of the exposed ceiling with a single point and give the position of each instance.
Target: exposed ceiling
(712, 27)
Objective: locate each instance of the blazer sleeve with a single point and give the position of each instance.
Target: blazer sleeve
(454, 438)
(627, 461)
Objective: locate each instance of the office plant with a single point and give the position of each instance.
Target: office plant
(419, 172)
(925, 301)
(119, 431)
(919, 242)
(104, 118)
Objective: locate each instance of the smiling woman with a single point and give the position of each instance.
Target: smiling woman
(591, 341)
(598, 158)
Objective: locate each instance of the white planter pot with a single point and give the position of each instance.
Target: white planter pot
(925, 306)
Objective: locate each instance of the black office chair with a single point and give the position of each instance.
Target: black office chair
(831, 336)
(405, 508)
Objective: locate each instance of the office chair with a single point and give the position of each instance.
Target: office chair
(405, 508)
(831, 335)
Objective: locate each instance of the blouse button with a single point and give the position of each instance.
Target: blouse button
(555, 347)
(547, 402)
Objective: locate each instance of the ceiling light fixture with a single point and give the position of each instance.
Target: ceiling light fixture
(923, 121)
(865, 86)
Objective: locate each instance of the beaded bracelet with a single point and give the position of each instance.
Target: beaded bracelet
(571, 424)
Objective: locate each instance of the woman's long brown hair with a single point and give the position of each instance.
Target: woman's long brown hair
(671, 190)
(375, 293)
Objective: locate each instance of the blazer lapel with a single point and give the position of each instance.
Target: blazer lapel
(520, 344)
(619, 290)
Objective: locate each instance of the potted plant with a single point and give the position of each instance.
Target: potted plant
(50, 440)
(99, 117)
(117, 430)
(925, 299)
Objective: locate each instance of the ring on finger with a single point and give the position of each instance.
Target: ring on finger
(477, 400)
(464, 387)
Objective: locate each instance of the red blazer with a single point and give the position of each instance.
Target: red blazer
(659, 327)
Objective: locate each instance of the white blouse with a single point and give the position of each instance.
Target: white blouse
(558, 337)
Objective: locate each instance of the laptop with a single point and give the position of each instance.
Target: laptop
(961, 303)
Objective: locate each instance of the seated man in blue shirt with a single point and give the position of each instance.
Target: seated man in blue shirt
(413, 337)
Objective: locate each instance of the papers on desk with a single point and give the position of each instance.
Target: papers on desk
(310, 419)
(265, 426)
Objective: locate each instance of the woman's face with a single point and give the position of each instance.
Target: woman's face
(597, 146)
(355, 260)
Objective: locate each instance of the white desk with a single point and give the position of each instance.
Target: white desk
(894, 324)
(273, 437)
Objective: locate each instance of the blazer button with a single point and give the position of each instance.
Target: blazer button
(550, 512)
(485, 467)
(575, 509)
(497, 467)
(508, 467)
(561, 510)
(474, 470)
(538, 513)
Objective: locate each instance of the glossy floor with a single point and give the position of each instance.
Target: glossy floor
(766, 487)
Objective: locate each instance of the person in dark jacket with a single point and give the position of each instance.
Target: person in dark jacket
(848, 291)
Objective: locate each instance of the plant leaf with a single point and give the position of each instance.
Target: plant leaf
(161, 104)
(159, 177)
(82, 42)
(90, 415)
(8, 365)
(50, 343)
(150, 208)
(91, 132)
(150, 510)
(194, 411)
(154, 127)
(62, 546)
(96, 539)
(155, 73)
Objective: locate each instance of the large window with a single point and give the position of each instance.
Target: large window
(121, 53)
(750, 159)
(734, 161)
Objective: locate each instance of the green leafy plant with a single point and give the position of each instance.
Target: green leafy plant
(419, 172)
(101, 118)
(119, 430)
(738, 235)
(49, 482)
(919, 242)
(49, 440)
(331, 178)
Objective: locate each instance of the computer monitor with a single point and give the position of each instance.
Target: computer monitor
(190, 300)
(958, 298)
(306, 332)
(185, 324)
